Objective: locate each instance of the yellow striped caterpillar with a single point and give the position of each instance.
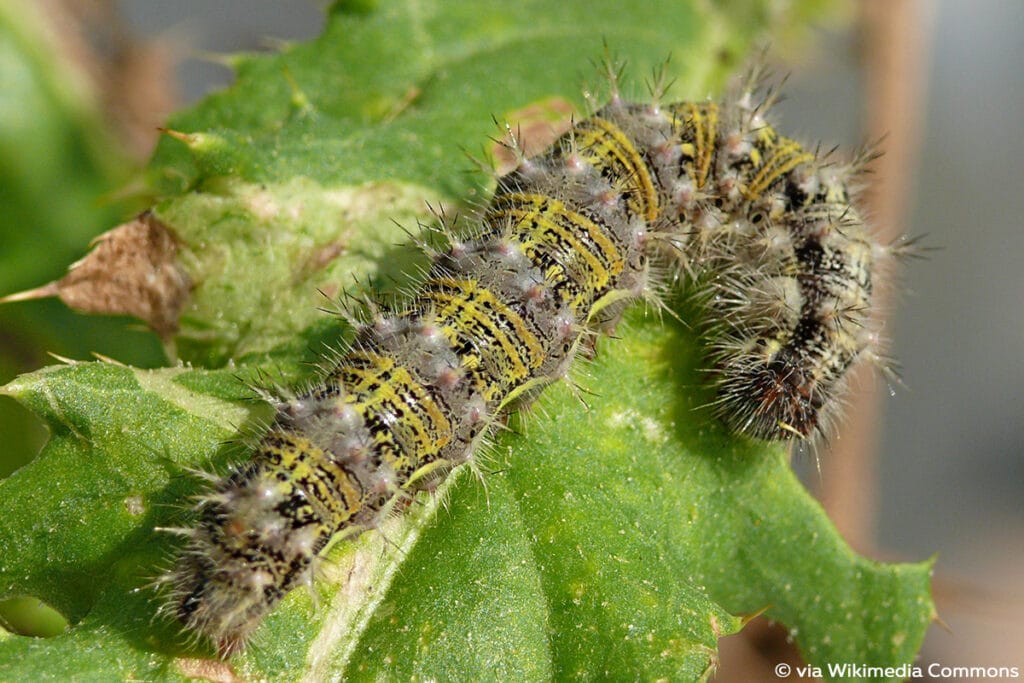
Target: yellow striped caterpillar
(762, 229)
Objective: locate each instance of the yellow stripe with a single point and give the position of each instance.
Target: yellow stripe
(604, 145)
(468, 304)
(546, 221)
(423, 401)
(304, 462)
(704, 120)
(783, 156)
(388, 392)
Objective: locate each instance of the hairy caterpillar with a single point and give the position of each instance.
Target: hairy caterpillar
(762, 228)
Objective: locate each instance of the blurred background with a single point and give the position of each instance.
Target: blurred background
(936, 468)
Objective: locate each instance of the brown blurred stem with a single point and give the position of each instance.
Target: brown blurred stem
(131, 79)
(893, 52)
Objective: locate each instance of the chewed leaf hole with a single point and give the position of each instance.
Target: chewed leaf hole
(28, 616)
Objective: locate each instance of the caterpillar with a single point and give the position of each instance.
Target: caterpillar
(762, 230)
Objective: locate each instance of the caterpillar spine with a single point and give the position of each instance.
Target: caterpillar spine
(760, 226)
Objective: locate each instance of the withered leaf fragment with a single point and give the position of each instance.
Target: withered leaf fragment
(132, 269)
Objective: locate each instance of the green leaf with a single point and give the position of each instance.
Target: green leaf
(616, 539)
(621, 549)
